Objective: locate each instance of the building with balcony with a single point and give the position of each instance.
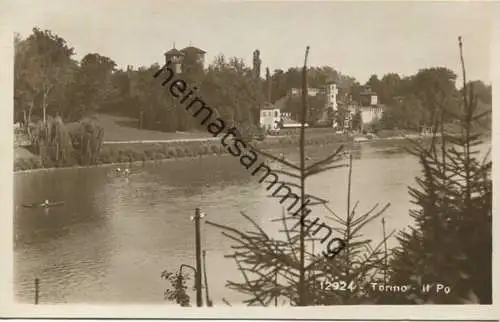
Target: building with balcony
(270, 117)
(370, 109)
(273, 118)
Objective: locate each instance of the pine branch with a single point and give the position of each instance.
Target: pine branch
(275, 158)
(327, 160)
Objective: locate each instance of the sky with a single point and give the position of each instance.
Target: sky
(356, 38)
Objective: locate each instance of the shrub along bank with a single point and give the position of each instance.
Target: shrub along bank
(82, 146)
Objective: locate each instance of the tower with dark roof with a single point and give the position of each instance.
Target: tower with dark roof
(198, 53)
(175, 56)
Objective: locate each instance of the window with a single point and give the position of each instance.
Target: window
(276, 114)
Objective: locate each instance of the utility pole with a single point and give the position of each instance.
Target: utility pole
(37, 290)
(207, 296)
(197, 217)
(303, 298)
(385, 251)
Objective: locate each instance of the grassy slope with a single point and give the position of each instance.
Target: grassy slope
(124, 132)
(116, 128)
(120, 128)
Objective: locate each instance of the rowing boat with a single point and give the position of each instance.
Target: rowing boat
(43, 204)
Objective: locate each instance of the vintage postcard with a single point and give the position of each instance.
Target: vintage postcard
(249, 159)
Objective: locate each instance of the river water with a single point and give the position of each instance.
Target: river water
(113, 237)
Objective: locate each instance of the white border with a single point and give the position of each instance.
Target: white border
(8, 308)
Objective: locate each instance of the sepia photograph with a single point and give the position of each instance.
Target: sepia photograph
(223, 155)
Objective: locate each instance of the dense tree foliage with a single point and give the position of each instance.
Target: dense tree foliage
(412, 102)
(49, 81)
(43, 70)
(451, 243)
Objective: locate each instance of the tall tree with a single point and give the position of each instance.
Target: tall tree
(374, 83)
(451, 242)
(279, 87)
(389, 85)
(151, 104)
(43, 65)
(93, 83)
(256, 64)
(121, 100)
(483, 91)
(435, 88)
(229, 87)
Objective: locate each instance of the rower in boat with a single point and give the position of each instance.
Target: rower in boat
(116, 171)
(44, 204)
(121, 172)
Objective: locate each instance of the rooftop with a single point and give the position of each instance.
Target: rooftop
(279, 104)
(193, 49)
(367, 90)
(174, 52)
(382, 106)
(267, 106)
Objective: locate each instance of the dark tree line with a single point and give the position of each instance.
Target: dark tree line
(410, 101)
(48, 80)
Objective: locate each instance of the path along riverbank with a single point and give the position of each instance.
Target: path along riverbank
(141, 151)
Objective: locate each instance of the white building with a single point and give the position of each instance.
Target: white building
(331, 92)
(372, 113)
(370, 109)
(270, 117)
(331, 96)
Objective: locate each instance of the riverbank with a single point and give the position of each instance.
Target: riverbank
(140, 152)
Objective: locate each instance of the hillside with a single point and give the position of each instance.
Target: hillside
(121, 128)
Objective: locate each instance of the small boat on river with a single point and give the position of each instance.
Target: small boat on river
(44, 204)
(119, 172)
